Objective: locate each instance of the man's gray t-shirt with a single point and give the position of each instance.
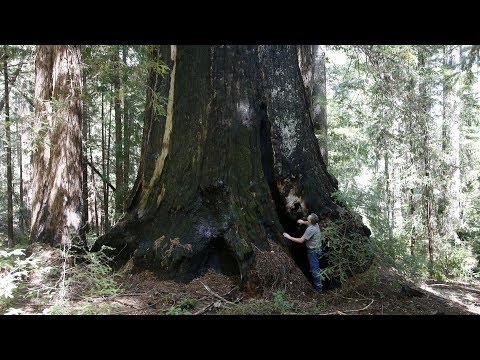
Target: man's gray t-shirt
(312, 237)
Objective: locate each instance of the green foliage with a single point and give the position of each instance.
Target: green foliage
(177, 310)
(14, 269)
(182, 308)
(382, 102)
(83, 308)
(347, 253)
(393, 253)
(453, 260)
(279, 302)
(187, 304)
(94, 274)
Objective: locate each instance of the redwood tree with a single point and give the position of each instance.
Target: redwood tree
(9, 151)
(57, 150)
(232, 163)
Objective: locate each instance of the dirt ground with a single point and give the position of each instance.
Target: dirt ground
(217, 294)
(379, 291)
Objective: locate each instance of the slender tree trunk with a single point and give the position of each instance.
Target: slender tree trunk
(11, 81)
(20, 172)
(319, 98)
(454, 190)
(411, 207)
(105, 147)
(57, 157)
(107, 174)
(451, 194)
(442, 216)
(126, 126)
(428, 190)
(95, 207)
(388, 194)
(85, 227)
(252, 166)
(119, 200)
(410, 170)
(11, 241)
(103, 165)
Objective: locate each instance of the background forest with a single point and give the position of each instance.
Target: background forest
(399, 130)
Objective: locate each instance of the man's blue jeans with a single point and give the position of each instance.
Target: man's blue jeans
(313, 256)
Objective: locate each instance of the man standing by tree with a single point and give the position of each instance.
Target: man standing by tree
(312, 239)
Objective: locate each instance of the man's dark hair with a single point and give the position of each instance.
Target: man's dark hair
(314, 218)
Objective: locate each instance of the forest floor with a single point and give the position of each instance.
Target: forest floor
(44, 289)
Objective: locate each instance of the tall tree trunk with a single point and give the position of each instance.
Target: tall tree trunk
(410, 170)
(105, 149)
(104, 188)
(411, 207)
(57, 156)
(319, 98)
(119, 201)
(94, 187)
(442, 216)
(84, 228)
(428, 190)
(451, 194)
(9, 151)
(388, 195)
(126, 126)
(109, 137)
(194, 207)
(20, 172)
(454, 186)
(11, 81)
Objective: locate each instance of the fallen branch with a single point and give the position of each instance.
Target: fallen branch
(216, 295)
(136, 309)
(204, 309)
(199, 312)
(126, 304)
(258, 248)
(338, 312)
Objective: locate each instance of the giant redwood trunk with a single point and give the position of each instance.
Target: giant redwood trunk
(231, 164)
(57, 149)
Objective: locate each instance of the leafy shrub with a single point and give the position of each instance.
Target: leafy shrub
(94, 274)
(279, 302)
(453, 260)
(14, 269)
(346, 252)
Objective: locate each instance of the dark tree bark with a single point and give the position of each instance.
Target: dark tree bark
(311, 60)
(319, 98)
(305, 59)
(126, 126)
(84, 228)
(9, 150)
(106, 221)
(57, 156)
(233, 164)
(119, 201)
